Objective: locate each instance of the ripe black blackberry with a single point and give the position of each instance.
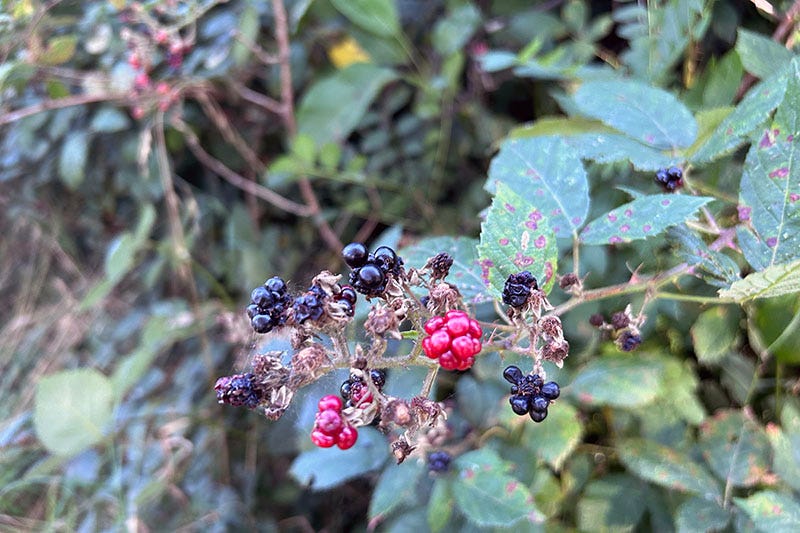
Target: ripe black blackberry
(356, 392)
(670, 178)
(628, 341)
(371, 272)
(529, 393)
(310, 305)
(439, 462)
(268, 304)
(517, 289)
(238, 390)
(347, 300)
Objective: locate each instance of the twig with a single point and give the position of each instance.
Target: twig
(262, 55)
(59, 103)
(261, 100)
(287, 99)
(236, 180)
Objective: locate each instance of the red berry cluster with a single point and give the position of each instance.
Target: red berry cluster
(329, 426)
(454, 339)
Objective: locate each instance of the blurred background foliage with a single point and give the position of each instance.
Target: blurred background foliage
(158, 159)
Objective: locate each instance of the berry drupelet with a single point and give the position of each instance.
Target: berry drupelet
(238, 390)
(628, 341)
(309, 306)
(371, 271)
(454, 339)
(439, 462)
(670, 178)
(530, 395)
(268, 304)
(329, 426)
(347, 299)
(357, 393)
(517, 289)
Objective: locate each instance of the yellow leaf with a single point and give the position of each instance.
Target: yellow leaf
(346, 52)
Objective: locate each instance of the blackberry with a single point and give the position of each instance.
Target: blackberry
(551, 390)
(597, 320)
(538, 416)
(238, 390)
(388, 260)
(355, 254)
(439, 462)
(539, 403)
(349, 294)
(369, 280)
(520, 404)
(440, 265)
(628, 341)
(529, 393)
(378, 377)
(512, 374)
(310, 305)
(517, 289)
(268, 304)
(356, 392)
(670, 178)
(620, 320)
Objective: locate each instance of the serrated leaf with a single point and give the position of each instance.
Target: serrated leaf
(772, 282)
(770, 186)
(721, 269)
(516, 236)
(736, 449)
(698, 514)
(620, 381)
(613, 503)
(760, 55)
(466, 270)
(643, 217)
(440, 504)
(72, 410)
(488, 497)
(771, 511)
(747, 117)
(556, 438)
(785, 443)
(666, 467)
(72, 160)
(397, 485)
(649, 115)
(550, 175)
(322, 469)
(375, 16)
(714, 333)
(334, 105)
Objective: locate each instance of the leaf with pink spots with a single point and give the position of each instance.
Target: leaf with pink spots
(516, 236)
(770, 188)
(771, 511)
(641, 218)
(548, 173)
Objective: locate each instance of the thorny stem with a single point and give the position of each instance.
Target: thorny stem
(427, 385)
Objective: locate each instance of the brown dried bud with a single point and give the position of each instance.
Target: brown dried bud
(620, 320)
(401, 449)
(397, 411)
(382, 321)
(568, 280)
(439, 265)
(556, 352)
(305, 364)
(426, 410)
(597, 320)
(551, 327)
(443, 297)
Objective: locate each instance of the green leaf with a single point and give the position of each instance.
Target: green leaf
(440, 504)
(667, 467)
(465, 272)
(613, 147)
(772, 282)
(304, 148)
(613, 503)
(329, 156)
(550, 126)
(333, 106)
(247, 30)
(397, 485)
(678, 392)
(649, 115)
(72, 160)
(375, 16)
(516, 236)
(72, 410)
(555, 441)
(698, 514)
(550, 175)
(747, 117)
(620, 381)
(322, 469)
(771, 511)
(714, 333)
(643, 217)
(720, 269)
(785, 445)
(760, 55)
(120, 256)
(736, 449)
(724, 79)
(770, 186)
(59, 50)
(109, 120)
(487, 496)
(452, 32)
